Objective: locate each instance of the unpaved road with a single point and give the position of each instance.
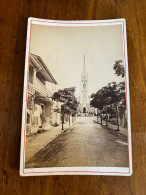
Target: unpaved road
(86, 143)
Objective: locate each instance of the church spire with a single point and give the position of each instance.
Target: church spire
(84, 68)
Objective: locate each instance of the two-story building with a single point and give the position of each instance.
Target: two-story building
(41, 112)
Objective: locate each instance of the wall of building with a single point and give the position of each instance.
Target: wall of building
(47, 116)
(40, 112)
(55, 114)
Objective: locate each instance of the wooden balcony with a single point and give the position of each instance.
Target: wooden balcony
(41, 89)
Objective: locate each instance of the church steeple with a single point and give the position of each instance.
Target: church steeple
(84, 100)
(84, 74)
(84, 67)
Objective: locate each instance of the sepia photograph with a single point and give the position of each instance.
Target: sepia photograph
(76, 97)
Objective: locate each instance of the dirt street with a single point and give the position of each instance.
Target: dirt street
(86, 143)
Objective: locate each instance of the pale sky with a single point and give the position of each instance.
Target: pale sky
(63, 48)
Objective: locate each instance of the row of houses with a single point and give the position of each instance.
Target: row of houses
(41, 108)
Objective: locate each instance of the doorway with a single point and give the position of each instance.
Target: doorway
(84, 110)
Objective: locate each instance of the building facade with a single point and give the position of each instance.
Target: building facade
(41, 112)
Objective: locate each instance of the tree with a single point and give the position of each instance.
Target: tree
(69, 102)
(122, 103)
(119, 68)
(97, 102)
(106, 99)
(101, 100)
(119, 71)
(111, 98)
(117, 97)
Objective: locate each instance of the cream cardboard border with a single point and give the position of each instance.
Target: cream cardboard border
(121, 171)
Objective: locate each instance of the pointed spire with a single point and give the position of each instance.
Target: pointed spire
(84, 68)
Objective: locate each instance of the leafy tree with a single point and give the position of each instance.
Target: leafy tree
(105, 97)
(69, 102)
(97, 102)
(122, 94)
(119, 71)
(122, 103)
(119, 68)
(109, 98)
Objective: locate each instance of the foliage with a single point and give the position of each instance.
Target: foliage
(119, 68)
(122, 103)
(68, 99)
(111, 99)
(108, 98)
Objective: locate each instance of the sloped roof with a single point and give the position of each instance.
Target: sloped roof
(38, 63)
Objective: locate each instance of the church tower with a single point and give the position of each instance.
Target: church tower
(84, 100)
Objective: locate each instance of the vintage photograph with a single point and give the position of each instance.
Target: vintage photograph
(76, 112)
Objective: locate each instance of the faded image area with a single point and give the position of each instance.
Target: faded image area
(76, 101)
